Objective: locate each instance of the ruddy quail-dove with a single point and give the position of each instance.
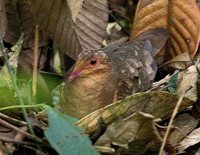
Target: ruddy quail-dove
(102, 76)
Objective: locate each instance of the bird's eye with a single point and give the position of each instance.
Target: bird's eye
(93, 62)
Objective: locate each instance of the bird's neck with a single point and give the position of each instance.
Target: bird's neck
(88, 94)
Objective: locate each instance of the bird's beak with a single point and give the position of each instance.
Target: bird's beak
(74, 75)
(76, 71)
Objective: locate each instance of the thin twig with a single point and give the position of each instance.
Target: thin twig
(3, 139)
(118, 22)
(12, 120)
(35, 63)
(4, 123)
(170, 123)
(33, 149)
(174, 128)
(21, 106)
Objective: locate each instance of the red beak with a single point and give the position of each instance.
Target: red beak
(74, 75)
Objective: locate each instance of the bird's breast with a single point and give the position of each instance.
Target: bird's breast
(85, 95)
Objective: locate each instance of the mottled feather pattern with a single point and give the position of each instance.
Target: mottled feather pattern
(135, 68)
(120, 70)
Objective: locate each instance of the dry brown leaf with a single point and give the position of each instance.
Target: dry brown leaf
(9, 22)
(148, 102)
(190, 140)
(187, 83)
(138, 133)
(184, 124)
(180, 61)
(27, 25)
(3, 19)
(8, 134)
(74, 25)
(138, 129)
(180, 18)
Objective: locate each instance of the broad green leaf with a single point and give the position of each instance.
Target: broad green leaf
(65, 138)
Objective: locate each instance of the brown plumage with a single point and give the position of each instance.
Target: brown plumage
(100, 77)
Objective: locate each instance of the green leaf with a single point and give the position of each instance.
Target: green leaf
(173, 83)
(66, 138)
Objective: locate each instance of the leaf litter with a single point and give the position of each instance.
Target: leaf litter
(136, 124)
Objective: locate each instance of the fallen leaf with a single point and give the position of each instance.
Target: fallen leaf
(137, 127)
(8, 134)
(3, 19)
(72, 25)
(187, 83)
(184, 124)
(9, 22)
(180, 18)
(190, 140)
(147, 102)
(180, 61)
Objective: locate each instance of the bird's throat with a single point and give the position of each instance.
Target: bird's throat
(85, 95)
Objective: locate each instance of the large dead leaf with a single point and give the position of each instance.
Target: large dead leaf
(184, 124)
(159, 104)
(75, 25)
(9, 22)
(27, 23)
(3, 19)
(190, 140)
(138, 133)
(180, 18)
(138, 129)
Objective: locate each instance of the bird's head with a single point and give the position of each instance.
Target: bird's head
(90, 63)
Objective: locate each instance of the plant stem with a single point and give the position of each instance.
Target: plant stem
(15, 86)
(161, 152)
(21, 106)
(35, 62)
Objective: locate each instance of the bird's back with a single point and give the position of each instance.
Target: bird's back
(133, 62)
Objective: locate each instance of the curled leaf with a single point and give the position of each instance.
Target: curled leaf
(181, 61)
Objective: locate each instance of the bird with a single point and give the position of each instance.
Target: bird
(102, 76)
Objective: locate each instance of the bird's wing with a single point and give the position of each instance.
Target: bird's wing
(136, 70)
